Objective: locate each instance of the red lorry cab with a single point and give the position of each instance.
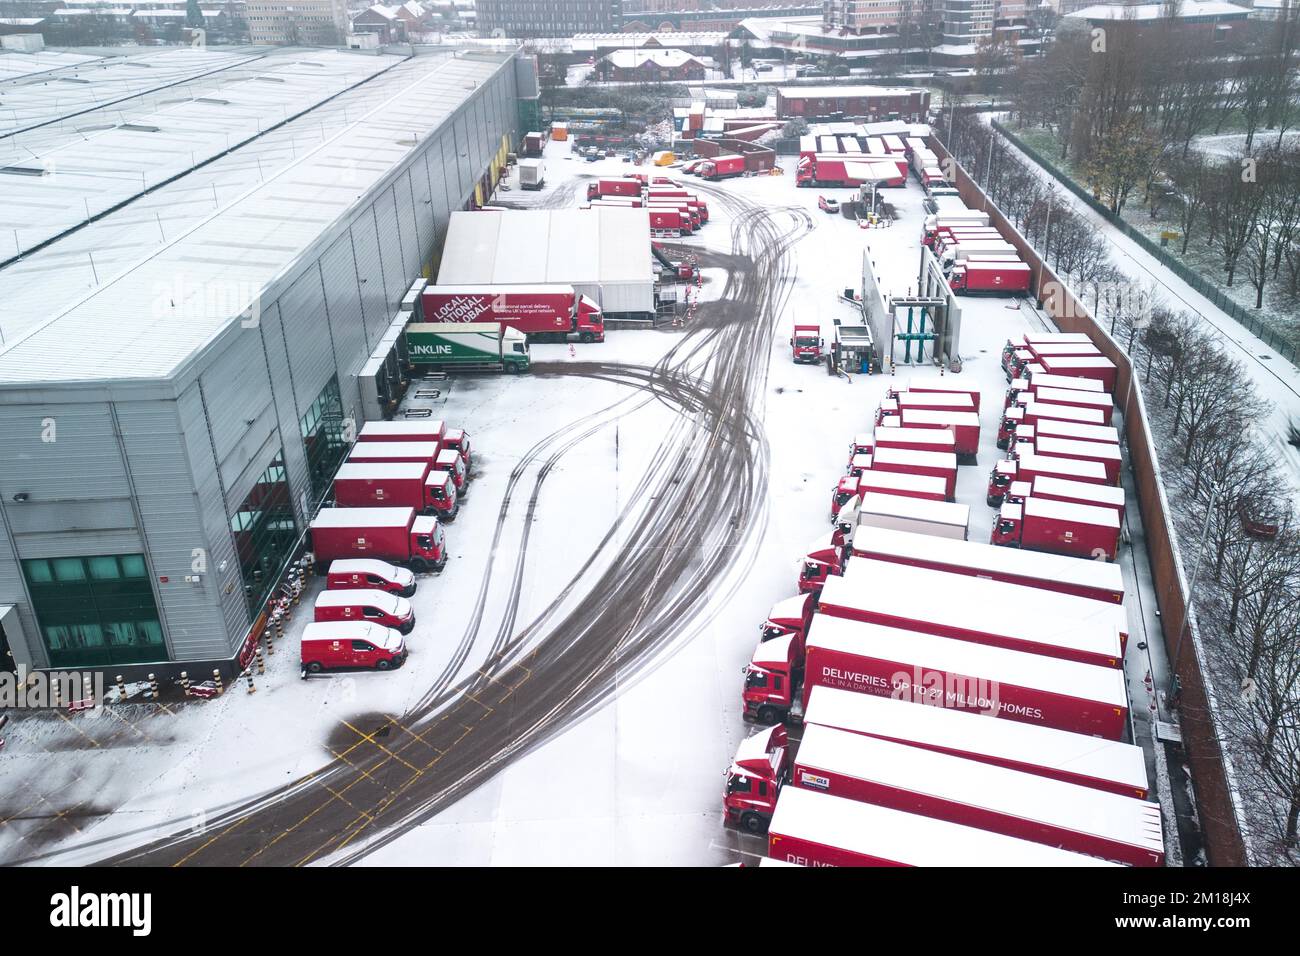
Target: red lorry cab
(1058, 527)
(824, 558)
(806, 343)
(423, 431)
(858, 464)
(396, 535)
(789, 616)
(450, 461)
(367, 573)
(378, 607)
(759, 769)
(458, 439)
(863, 444)
(351, 644)
(772, 679)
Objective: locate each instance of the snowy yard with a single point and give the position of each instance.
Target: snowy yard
(561, 457)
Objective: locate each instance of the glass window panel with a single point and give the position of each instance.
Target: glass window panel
(69, 569)
(103, 568)
(133, 566)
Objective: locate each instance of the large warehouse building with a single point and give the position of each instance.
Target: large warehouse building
(197, 274)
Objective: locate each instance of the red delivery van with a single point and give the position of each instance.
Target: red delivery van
(351, 644)
(378, 607)
(369, 573)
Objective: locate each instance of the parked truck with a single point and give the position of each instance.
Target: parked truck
(1074, 431)
(938, 671)
(1034, 410)
(721, 167)
(396, 535)
(1108, 455)
(901, 512)
(1084, 366)
(944, 384)
(965, 427)
(467, 346)
(1086, 761)
(390, 452)
(1058, 527)
(814, 829)
(979, 610)
(1073, 398)
(1010, 802)
(397, 484)
(550, 313)
(630, 188)
(532, 173)
(1096, 580)
(806, 343)
(990, 278)
(939, 464)
(429, 430)
(940, 439)
(1063, 489)
(1027, 466)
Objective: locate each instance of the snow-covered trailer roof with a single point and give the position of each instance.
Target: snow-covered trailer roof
(921, 509)
(1108, 495)
(921, 459)
(904, 838)
(1070, 511)
(363, 518)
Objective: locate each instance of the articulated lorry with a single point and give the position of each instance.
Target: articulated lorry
(1011, 802)
(467, 346)
(545, 313)
(924, 668)
(1095, 580)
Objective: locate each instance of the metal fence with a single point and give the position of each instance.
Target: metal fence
(1205, 287)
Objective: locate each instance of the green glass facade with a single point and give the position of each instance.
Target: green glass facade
(264, 532)
(322, 439)
(95, 611)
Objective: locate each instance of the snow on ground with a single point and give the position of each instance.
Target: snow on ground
(639, 780)
(1273, 377)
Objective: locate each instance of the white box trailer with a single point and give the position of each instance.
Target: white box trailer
(980, 610)
(815, 829)
(1103, 434)
(1097, 580)
(993, 798)
(944, 519)
(914, 666)
(1045, 751)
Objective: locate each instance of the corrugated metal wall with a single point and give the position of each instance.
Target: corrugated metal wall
(194, 457)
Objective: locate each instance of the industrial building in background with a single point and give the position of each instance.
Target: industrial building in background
(184, 324)
(548, 18)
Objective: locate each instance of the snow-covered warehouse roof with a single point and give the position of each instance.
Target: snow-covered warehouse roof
(605, 253)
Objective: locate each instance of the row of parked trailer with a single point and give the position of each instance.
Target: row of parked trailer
(961, 703)
(401, 482)
(674, 211)
(974, 255)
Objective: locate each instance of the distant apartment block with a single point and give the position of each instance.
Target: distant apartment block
(297, 22)
(548, 18)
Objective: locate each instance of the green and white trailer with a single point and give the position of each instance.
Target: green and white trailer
(473, 346)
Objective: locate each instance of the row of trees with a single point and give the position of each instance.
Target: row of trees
(1220, 475)
(1223, 482)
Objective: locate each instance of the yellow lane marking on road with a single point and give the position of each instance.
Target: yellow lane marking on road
(379, 746)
